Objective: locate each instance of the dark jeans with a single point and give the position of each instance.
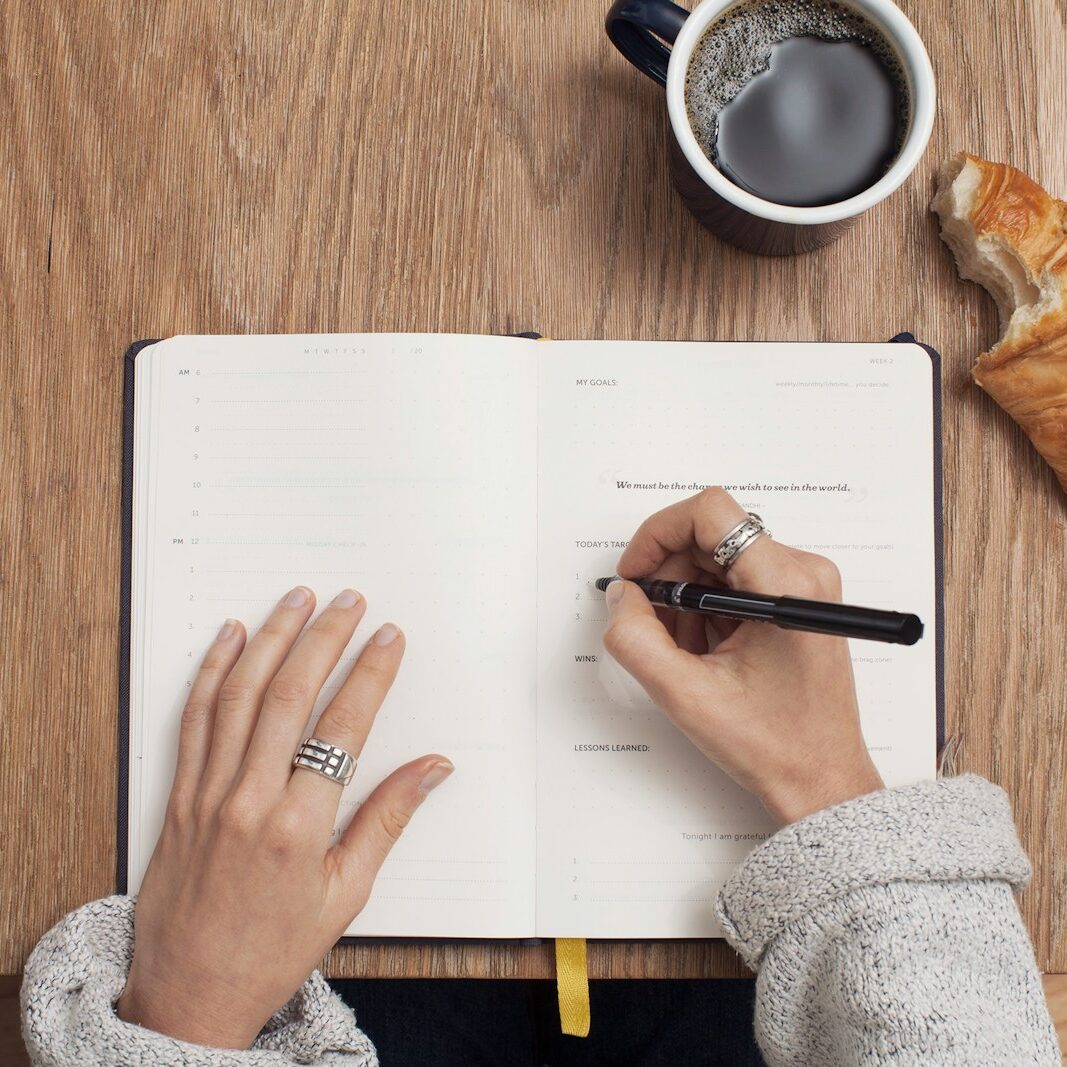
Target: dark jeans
(507, 1023)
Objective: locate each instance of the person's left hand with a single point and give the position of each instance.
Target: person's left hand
(244, 893)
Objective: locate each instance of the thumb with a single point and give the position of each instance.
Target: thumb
(381, 819)
(639, 642)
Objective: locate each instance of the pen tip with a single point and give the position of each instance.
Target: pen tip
(603, 583)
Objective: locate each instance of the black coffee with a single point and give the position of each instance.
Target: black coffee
(800, 102)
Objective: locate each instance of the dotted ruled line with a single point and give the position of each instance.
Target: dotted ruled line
(287, 429)
(458, 900)
(286, 515)
(209, 570)
(349, 456)
(239, 600)
(646, 900)
(284, 541)
(669, 863)
(640, 881)
(287, 485)
(260, 373)
(468, 881)
(397, 859)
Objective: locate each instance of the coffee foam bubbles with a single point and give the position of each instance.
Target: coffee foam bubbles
(737, 46)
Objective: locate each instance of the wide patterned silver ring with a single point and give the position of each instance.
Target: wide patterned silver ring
(326, 759)
(738, 539)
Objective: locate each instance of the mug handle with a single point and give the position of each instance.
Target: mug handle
(638, 29)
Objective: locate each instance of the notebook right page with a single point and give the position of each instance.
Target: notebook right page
(833, 445)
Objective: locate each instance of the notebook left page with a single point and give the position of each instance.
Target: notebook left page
(403, 466)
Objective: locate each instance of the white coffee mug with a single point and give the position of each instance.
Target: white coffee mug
(642, 31)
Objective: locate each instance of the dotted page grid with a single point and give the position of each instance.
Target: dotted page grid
(405, 467)
(637, 831)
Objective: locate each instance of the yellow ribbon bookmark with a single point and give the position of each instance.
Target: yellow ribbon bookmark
(572, 986)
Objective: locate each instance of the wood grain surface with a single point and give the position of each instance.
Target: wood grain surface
(188, 166)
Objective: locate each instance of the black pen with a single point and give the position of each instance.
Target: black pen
(789, 612)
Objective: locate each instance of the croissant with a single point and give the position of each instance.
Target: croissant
(1010, 236)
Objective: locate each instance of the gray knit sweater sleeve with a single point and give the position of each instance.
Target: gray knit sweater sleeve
(78, 970)
(884, 931)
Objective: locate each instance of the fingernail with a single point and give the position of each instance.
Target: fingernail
(298, 597)
(613, 593)
(227, 629)
(435, 776)
(386, 635)
(347, 598)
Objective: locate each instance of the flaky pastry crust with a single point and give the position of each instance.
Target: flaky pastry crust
(1009, 235)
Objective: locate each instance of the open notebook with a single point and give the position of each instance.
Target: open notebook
(471, 487)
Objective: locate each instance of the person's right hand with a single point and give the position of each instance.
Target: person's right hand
(776, 709)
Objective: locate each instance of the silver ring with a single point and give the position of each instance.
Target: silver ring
(738, 539)
(326, 759)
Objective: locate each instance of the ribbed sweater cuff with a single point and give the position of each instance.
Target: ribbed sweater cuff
(78, 971)
(955, 829)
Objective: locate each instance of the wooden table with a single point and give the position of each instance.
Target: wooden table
(204, 167)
